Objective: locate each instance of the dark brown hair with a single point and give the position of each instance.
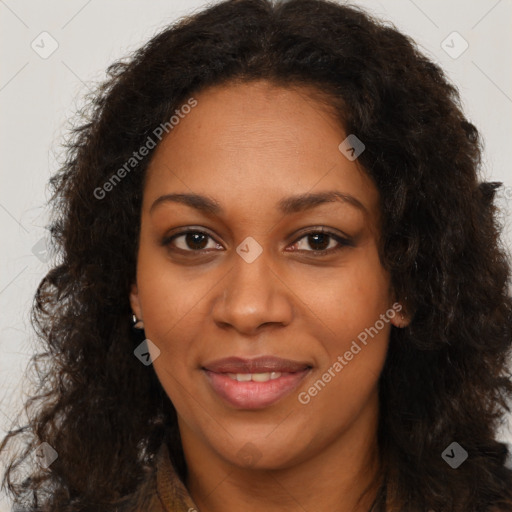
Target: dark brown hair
(445, 378)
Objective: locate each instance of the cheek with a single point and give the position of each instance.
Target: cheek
(173, 320)
(357, 311)
(170, 295)
(347, 300)
(171, 309)
(175, 307)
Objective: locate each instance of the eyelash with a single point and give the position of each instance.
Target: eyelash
(344, 242)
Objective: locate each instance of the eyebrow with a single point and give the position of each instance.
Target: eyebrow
(288, 205)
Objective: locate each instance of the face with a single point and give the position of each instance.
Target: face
(258, 277)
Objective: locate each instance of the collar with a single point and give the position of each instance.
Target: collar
(171, 491)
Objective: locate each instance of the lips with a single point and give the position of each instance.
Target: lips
(254, 383)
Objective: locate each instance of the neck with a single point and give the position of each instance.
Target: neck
(342, 475)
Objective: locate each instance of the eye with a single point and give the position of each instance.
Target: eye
(190, 241)
(322, 242)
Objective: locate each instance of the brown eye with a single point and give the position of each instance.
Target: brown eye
(190, 241)
(321, 242)
(196, 240)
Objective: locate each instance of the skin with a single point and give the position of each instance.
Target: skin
(248, 146)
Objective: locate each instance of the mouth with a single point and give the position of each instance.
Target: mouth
(254, 383)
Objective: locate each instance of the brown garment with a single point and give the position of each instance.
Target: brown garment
(169, 492)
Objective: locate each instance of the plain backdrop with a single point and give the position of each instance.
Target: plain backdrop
(53, 51)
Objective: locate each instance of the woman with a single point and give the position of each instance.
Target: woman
(285, 199)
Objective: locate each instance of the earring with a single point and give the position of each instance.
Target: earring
(137, 324)
(403, 318)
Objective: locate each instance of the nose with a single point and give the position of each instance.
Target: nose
(253, 296)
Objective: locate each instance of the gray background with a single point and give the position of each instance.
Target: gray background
(38, 97)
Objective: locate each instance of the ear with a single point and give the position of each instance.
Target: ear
(134, 301)
(401, 318)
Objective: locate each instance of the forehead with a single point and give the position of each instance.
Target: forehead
(252, 144)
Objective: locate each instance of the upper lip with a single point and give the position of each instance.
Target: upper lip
(261, 364)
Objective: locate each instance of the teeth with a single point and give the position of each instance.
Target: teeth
(255, 377)
(260, 377)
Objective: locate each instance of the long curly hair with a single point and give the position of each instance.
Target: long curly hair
(445, 378)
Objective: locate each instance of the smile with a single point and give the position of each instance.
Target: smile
(254, 390)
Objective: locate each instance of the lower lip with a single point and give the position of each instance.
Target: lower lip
(254, 395)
